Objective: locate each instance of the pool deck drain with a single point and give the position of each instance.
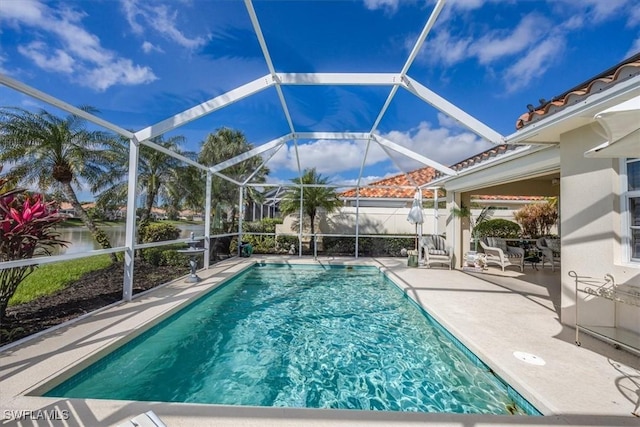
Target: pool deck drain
(592, 385)
(529, 358)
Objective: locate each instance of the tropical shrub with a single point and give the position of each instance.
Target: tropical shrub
(497, 228)
(537, 219)
(268, 225)
(284, 242)
(27, 228)
(148, 232)
(261, 244)
(339, 245)
(165, 255)
(393, 247)
(367, 246)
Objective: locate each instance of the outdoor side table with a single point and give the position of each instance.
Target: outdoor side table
(533, 258)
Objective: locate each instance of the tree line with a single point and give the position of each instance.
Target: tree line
(61, 155)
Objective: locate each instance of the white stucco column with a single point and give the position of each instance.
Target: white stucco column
(453, 228)
(436, 214)
(590, 226)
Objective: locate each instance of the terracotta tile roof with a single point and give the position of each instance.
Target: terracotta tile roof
(620, 72)
(69, 206)
(380, 189)
(480, 157)
(507, 197)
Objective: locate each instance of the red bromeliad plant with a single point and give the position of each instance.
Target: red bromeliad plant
(26, 229)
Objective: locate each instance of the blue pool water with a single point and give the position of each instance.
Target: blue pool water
(299, 336)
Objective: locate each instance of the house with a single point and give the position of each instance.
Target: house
(561, 148)
(66, 209)
(384, 205)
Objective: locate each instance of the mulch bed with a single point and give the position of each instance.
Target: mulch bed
(93, 291)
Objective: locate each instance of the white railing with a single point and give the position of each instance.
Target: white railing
(41, 260)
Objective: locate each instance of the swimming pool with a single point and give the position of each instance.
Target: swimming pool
(300, 336)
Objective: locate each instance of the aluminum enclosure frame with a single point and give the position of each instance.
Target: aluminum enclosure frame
(276, 80)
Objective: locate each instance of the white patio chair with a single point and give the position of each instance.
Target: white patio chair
(148, 419)
(497, 252)
(436, 251)
(550, 250)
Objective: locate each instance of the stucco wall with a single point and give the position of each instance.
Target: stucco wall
(383, 221)
(372, 221)
(591, 230)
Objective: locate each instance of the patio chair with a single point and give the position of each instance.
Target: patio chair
(436, 251)
(497, 252)
(550, 250)
(148, 419)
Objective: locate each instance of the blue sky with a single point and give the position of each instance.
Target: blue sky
(141, 61)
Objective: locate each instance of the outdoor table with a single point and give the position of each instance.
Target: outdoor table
(534, 259)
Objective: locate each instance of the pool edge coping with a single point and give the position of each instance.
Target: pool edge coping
(115, 408)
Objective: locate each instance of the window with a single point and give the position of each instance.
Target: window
(632, 198)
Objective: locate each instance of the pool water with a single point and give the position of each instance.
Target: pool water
(299, 336)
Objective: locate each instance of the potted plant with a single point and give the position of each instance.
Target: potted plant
(465, 212)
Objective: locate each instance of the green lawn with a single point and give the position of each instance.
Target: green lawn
(49, 278)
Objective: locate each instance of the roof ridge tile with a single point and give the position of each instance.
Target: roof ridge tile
(625, 70)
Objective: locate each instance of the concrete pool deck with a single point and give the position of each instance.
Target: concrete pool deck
(494, 314)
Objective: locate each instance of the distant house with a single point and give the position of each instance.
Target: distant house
(66, 210)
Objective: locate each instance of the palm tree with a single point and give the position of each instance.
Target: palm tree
(157, 170)
(314, 197)
(464, 212)
(57, 152)
(159, 176)
(223, 145)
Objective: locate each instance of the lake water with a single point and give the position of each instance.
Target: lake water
(82, 240)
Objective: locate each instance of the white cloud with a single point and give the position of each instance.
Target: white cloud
(122, 71)
(448, 48)
(365, 180)
(634, 17)
(148, 47)
(444, 48)
(26, 11)
(574, 23)
(81, 56)
(443, 145)
(446, 144)
(530, 47)
(387, 5)
(533, 64)
(56, 61)
(456, 7)
(596, 11)
(497, 45)
(446, 121)
(634, 49)
(142, 16)
(467, 4)
(327, 156)
(3, 59)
